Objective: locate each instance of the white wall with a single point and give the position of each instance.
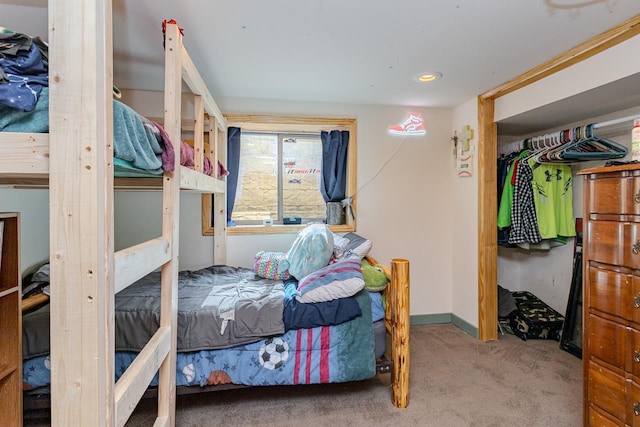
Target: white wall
(405, 208)
(465, 223)
(138, 218)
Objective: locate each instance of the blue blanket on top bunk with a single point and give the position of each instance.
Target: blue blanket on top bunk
(137, 143)
(136, 140)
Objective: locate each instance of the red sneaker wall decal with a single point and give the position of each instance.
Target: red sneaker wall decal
(413, 125)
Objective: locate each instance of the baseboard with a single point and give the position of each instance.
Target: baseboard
(434, 319)
(430, 319)
(465, 326)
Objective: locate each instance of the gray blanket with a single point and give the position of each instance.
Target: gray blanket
(218, 307)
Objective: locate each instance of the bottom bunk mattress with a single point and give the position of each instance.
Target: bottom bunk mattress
(324, 354)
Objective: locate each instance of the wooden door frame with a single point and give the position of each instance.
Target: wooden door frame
(487, 174)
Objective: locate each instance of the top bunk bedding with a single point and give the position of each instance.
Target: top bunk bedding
(141, 147)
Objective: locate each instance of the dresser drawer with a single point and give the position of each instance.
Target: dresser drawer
(607, 341)
(598, 418)
(632, 353)
(615, 243)
(615, 196)
(611, 292)
(607, 390)
(633, 404)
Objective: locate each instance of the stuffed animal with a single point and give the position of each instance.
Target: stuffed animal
(374, 278)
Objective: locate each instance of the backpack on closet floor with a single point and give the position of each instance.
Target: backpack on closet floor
(534, 319)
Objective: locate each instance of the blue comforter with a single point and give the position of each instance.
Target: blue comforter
(324, 354)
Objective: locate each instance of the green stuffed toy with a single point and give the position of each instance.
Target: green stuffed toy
(374, 278)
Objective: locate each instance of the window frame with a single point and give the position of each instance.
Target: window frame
(293, 124)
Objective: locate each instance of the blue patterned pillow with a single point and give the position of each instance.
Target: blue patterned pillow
(339, 280)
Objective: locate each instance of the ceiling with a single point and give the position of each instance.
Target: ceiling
(356, 51)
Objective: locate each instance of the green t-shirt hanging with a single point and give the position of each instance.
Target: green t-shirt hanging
(553, 191)
(504, 210)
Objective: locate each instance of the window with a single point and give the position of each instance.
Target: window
(280, 171)
(279, 176)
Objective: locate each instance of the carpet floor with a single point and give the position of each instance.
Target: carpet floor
(455, 380)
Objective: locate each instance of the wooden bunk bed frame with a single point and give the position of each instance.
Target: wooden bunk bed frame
(76, 159)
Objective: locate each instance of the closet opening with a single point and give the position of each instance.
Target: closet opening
(539, 197)
(489, 130)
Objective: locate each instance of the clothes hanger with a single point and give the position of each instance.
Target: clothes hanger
(592, 147)
(554, 141)
(583, 141)
(553, 155)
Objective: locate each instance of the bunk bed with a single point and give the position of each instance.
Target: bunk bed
(75, 160)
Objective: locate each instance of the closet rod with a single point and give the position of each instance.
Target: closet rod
(615, 121)
(519, 145)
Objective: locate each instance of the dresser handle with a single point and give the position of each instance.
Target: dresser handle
(636, 409)
(636, 247)
(636, 301)
(636, 356)
(636, 198)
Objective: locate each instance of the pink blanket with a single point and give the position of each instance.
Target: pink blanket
(187, 154)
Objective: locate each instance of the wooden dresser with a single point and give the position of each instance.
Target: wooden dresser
(611, 347)
(10, 322)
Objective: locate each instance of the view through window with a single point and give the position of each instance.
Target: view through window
(279, 176)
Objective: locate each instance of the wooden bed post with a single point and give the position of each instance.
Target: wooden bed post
(220, 203)
(398, 321)
(81, 213)
(198, 132)
(171, 221)
(399, 301)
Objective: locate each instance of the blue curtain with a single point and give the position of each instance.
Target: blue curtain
(233, 163)
(334, 165)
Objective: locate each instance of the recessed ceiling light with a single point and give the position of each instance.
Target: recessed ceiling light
(427, 77)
